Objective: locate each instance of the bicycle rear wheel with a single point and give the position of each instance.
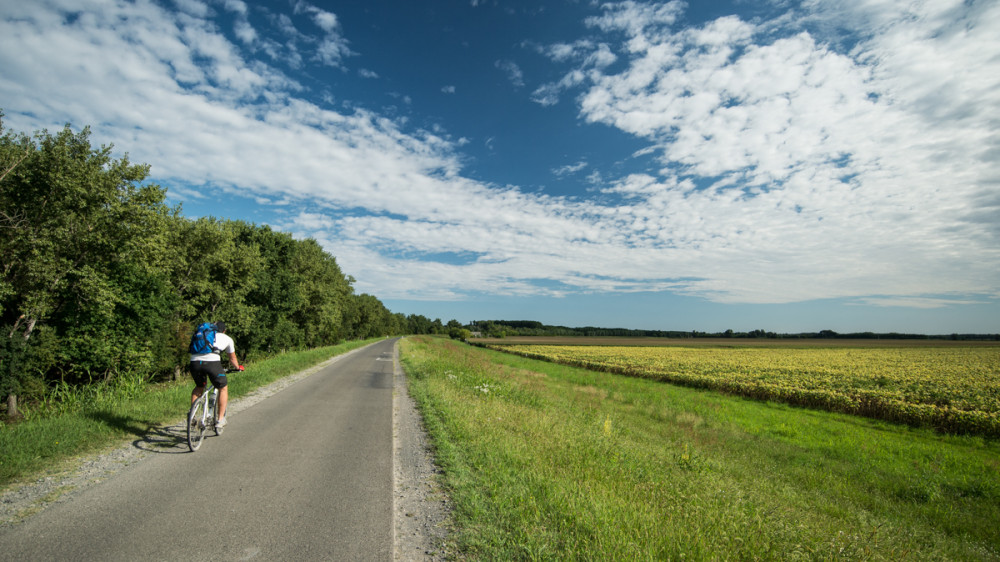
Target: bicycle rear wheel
(196, 430)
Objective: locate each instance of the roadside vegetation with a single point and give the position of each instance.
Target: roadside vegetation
(82, 420)
(547, 461)
(102, 283)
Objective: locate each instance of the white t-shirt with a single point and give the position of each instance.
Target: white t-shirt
(222, 343)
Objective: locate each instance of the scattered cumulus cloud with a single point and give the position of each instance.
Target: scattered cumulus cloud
(448, 89)
(236, 6)
(245, 32)
(548, 94)
(788, 167)
(194, 8)
(569, 169)
(332, 47)
(512, 71)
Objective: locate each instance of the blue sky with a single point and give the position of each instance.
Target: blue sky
(787, 166)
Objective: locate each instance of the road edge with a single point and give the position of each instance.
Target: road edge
(421, 508)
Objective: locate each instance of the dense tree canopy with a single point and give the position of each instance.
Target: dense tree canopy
(99, 276)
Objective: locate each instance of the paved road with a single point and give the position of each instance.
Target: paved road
(303, 475)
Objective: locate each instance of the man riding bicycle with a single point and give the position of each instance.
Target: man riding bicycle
(208, 366)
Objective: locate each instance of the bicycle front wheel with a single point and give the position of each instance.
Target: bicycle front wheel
(196, 423)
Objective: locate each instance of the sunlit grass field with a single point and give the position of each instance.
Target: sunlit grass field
(547, 462)
(954, 389)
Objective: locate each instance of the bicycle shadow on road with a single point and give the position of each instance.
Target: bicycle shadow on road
(170, 439)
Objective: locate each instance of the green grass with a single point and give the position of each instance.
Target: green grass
(73, 422)
(546, 462)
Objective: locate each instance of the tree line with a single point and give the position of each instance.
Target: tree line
(100, 277)
(503, 328)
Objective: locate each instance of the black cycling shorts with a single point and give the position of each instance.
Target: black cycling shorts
(203, 371)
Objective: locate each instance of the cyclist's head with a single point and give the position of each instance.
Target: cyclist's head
(220, 326)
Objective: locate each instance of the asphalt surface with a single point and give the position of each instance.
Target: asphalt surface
(305, 474)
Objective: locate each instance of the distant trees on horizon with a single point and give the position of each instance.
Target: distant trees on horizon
(503, 328)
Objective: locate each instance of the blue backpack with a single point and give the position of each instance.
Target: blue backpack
(203, 340)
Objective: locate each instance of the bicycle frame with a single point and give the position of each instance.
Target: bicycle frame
(202, 416)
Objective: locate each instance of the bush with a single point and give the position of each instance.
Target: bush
(459, 334)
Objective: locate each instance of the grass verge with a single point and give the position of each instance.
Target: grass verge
(545, 461)
(94, 418)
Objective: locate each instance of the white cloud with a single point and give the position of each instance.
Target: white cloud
(332, 50)
(245, 32)
(635, 18)
(869, 164)
(448, 89)
(193, 7)
(326, 20)
(236, 6)
(548, 94)
(562, 52)
(916, 302)
(329, 49)
(569, 169)
(513, 72)
(790, 169)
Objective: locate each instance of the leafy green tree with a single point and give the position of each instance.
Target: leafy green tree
(276, 295)
(459, 334)
(212, 271)
(99, 276)
(74, 225)
(368, 318)
(418, 324)
(300, 295)
(325, 292)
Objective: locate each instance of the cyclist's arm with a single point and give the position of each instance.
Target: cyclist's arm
(233, 361)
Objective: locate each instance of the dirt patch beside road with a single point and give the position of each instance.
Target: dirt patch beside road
(421, 507)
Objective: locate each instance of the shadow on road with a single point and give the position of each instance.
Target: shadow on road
(171, 439)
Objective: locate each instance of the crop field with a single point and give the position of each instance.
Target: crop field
(951, 388)
(732, 342)
(545, 461)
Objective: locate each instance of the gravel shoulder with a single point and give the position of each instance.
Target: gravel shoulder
(421, 509)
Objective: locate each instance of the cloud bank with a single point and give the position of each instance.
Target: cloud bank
(790, 165)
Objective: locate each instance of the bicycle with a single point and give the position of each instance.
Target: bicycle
(203, 416)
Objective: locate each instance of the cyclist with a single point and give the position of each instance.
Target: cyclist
(208, 366)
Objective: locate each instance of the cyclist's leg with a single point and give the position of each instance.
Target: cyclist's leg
(219, 380)
(200, 379)
(223, 400)
(197, 392)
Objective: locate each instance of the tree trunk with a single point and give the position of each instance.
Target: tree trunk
(11, 406)
(177, 373)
